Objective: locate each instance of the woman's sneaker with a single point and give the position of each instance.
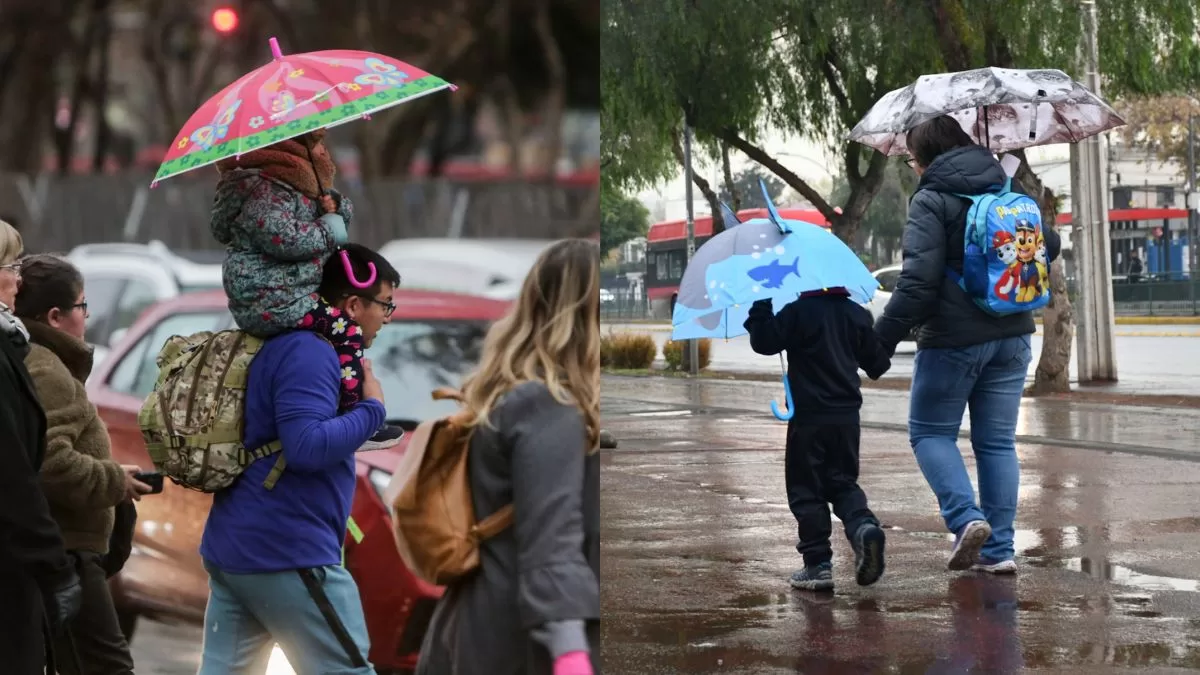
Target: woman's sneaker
(814, 578)
(386, 437)
(968, 544)
(868, 553)
(991, 566)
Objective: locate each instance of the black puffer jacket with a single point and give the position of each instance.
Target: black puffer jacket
(933, 240)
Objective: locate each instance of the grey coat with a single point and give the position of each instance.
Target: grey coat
(537, 592)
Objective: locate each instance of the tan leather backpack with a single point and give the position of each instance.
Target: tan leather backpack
(433, 514)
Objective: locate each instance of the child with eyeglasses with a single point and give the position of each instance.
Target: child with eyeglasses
(280, 220)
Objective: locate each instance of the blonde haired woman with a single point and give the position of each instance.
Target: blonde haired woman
(533, 607)
(39, 588)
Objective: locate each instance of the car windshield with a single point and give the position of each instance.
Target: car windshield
(411, 358)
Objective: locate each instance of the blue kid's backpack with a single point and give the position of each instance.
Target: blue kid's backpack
(1006, 269)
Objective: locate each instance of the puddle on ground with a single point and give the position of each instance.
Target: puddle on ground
(662, 413)
(1123, 576)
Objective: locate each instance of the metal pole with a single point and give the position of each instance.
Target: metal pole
(1191, 201)
(1097, 353)
(693, 345)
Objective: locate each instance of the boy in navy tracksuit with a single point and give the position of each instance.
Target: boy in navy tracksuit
(828, 337)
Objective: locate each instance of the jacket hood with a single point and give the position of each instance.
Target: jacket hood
(970, 170)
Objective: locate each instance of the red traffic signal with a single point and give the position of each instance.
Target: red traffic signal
(224, 20)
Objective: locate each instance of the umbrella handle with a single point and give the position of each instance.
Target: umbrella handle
(276, 52)
(787, 396)
(371, 279)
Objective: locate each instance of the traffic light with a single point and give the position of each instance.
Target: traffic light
(224, 20)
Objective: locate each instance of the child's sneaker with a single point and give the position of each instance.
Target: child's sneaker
(991, 566)
(868, 553)
(386, 437)
(968, 544)
(815, 578)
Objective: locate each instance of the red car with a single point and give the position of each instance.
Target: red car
(434, 340)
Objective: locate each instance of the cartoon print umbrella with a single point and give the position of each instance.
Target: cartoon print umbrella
(1002, 109)
(290, 96)
(760, 259)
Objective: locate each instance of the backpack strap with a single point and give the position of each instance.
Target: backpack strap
(493, 524)
(276, 472)
(267, 450)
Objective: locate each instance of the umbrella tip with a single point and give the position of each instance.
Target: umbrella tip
(453, 87)
(276, 52)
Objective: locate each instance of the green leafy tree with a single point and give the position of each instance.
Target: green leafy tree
(621, 218)
(814, 68)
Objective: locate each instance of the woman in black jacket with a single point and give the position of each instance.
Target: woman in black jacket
(39, 589)
(966, 357)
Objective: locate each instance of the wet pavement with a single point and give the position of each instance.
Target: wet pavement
(697, 546)
(174, 649)
(1150, 359)
(1159, 431)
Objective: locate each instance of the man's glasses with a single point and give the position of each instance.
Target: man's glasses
(79, 305)
(15, 268)
(388, 307)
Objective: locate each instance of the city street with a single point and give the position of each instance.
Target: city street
(1150, 359)
(698, 543)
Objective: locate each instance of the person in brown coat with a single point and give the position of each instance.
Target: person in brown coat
(79, 477)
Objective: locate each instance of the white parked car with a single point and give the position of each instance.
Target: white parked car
(123, 279)
(887, 278)
(492, 268)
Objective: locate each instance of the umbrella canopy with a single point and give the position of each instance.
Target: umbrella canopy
(1002, 109)
(759, 259)
(289, 97)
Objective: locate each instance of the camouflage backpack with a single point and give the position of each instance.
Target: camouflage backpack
(193, 421)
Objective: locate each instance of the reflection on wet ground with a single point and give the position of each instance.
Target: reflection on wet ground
(697, 546)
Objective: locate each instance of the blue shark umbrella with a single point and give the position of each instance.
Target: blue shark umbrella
(760, 259)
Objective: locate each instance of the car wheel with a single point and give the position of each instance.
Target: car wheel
(128, 621)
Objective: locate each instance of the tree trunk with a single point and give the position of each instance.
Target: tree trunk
(556, 97)
(64, 138)
(1058, 321)
(734, 197)
(100, 90)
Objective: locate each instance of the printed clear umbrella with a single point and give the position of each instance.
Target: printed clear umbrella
(1002, 109)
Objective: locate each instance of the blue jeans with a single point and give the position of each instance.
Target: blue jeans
(315, 615)
(988, 378)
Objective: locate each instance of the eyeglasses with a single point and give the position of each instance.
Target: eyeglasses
(389, 307)
(79, 305)
(911, 162)
(15, 268)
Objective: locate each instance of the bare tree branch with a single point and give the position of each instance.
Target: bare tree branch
(771, 164)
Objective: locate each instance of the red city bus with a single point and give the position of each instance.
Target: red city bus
(666, 250)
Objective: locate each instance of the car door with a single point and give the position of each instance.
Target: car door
(165, 573)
